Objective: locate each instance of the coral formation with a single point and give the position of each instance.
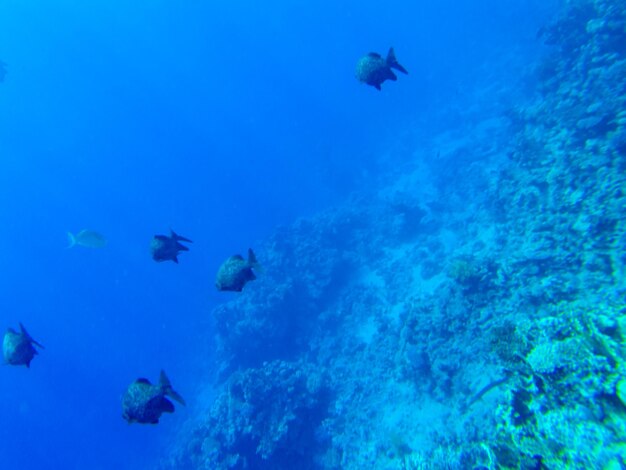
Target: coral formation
(265, 418)
(410, 329)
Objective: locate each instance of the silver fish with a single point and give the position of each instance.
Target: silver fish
(86, 238)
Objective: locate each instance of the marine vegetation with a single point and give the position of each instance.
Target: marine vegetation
(18, 348)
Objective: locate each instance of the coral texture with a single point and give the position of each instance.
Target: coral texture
(429, 324)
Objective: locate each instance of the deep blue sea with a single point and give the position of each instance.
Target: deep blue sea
(223, 121)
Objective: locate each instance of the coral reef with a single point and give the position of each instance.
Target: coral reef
(266, 417)
(464, 316)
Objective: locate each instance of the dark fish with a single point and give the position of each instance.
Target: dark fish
(374, 70)
(145, 403)
(167, 248)
(235, 272)
(18, 348)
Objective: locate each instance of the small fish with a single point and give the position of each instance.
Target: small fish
(18, 347)
(166, 248)
(145, 403)
(374, 70)
(86, 238)
(235, 272)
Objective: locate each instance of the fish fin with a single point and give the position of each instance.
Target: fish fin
(375, 55)
(177, 237)
(164, 380)
(71, 240)
(141, 380)
(391, 75)
(180, 247)
(29, 337)
(24, 332)
(393, 62)
(165, 405)
(167, 387)
(175, 259)
(253, 263)
(252, 258)
(377, 86)
(176, 396)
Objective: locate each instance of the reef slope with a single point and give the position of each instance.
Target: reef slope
(470, 314)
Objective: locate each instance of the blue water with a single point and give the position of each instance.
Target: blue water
(220, 120)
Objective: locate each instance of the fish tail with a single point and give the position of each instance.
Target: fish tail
(29, 337)
(71, 240)
(168, 390)
(177, 237)
(253, 263)
(393, 62)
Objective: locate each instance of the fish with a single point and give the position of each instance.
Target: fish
(87, 239)
(166, 248)
(18, 348)
(144, 403)
(374, 70)
(235, 272)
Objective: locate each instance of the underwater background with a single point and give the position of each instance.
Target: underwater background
(442, 262)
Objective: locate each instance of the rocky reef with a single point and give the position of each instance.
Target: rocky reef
(466, 317)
